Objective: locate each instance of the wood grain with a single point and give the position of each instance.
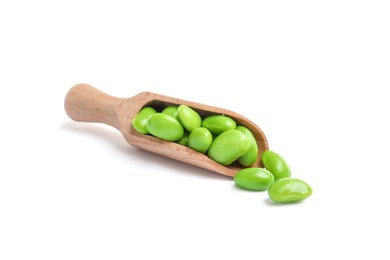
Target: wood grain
(88, 104)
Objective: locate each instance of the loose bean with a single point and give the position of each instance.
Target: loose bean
(275, 164)
(289, 190)
(256, 179)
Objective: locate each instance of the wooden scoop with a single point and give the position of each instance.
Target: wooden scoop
(88, 104)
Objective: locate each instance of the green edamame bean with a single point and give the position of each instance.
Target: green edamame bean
(200, 139)
(171, 110)
(289, 190)
(250, 157)
(257, 179)
(217, 124)
(275, 164)
(184, 139)
(189, 118)
(229, 146)
(165, 127)
(140, 121)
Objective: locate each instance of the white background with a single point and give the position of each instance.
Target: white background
(314, 75)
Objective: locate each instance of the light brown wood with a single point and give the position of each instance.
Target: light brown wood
(88, 104)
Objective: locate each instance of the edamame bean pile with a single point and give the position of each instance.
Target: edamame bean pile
(225, 142)
(217, 135)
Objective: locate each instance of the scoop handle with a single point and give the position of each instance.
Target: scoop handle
(88, 104)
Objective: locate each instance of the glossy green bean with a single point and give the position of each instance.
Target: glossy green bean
(140, 121)
(217, 124)
(165, 127)
(171, 110)
(200, 139)
(275, 164)
(229, 146)
(289, 190)
(189, 118)
(257, 179)
(250, 157)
